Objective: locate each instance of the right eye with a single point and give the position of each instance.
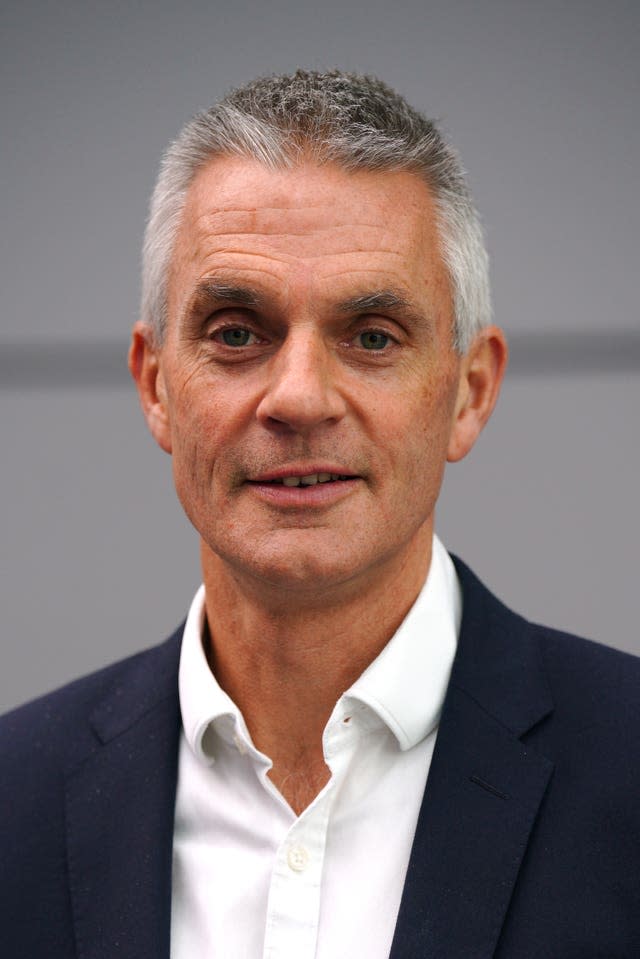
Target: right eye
(237, 336)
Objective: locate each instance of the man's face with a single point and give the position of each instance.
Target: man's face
(309, 342)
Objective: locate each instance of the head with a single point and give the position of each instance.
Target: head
(355, 122)
(314, 345)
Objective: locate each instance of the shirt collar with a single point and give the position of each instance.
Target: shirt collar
(404, 686)
(202, 699)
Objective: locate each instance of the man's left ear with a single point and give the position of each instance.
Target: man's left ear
(481, 372)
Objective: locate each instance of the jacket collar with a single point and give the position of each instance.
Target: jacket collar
(499, 663)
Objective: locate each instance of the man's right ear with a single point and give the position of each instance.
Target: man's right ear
(146, 369)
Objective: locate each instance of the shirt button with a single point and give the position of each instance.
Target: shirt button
(298, 858)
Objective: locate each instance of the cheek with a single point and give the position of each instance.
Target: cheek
(195, 440)
(422, 433)
(189, 472)
(208, 426)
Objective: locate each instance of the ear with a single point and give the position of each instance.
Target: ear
(146, 369)
(481, 372)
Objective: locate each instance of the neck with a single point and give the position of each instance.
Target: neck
(285, 657)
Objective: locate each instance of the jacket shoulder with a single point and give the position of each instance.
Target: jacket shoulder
(59, 725)
(585, 683)
(591, 682)
(566, 656)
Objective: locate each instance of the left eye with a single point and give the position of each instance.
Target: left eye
(236, 336)
(373, 340)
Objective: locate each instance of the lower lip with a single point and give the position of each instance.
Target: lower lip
(301, 497)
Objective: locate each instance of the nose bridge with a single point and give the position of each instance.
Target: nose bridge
(302, 390)
(304, 355)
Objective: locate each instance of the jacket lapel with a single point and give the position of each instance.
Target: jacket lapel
(483, 791)
(120, 808)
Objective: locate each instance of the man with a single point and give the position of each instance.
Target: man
(350, 748)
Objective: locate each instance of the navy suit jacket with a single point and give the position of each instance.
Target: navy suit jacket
(527, 844)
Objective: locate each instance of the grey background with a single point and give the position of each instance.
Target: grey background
(541, 99)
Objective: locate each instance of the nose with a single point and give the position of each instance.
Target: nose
(302, 391)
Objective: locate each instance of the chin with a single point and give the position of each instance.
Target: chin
(301, 573)
(292, 570)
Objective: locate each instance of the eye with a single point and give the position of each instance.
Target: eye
(237, 336)
(373, 340)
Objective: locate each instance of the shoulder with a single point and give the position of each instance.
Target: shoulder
(589, 684)
(581, 666)
(45, 741)
(596, 697)
(59, 727)
(569, 659)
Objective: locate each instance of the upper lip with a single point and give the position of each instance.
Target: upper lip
(305, 469)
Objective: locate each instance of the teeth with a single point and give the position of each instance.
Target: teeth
(310, 480)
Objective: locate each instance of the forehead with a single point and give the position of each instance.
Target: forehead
(311, 230)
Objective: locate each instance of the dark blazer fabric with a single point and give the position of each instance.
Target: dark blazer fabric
(527, 844)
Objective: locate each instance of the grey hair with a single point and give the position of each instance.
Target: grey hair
(356, 122)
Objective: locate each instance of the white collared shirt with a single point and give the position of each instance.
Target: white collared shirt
(251, 880)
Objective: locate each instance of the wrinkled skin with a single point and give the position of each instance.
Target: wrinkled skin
(271, 366)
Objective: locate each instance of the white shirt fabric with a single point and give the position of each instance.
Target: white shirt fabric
(251, 880)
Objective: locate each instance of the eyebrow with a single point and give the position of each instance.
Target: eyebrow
(211, 291)
(379, 300)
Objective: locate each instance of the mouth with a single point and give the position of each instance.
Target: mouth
(301, 486)
(309, 479)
